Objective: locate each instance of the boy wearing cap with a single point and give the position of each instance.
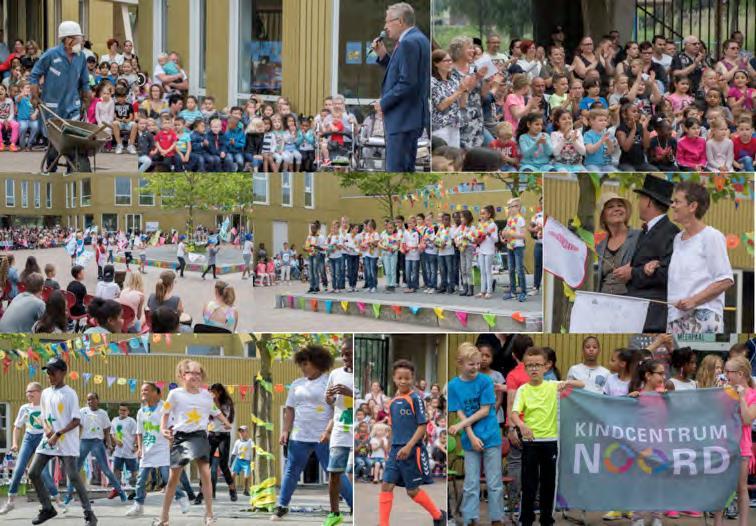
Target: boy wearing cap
(60, 421)
(513, 235)
(241, 457)
(107, 289)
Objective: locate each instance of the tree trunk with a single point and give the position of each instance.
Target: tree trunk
(262, 403)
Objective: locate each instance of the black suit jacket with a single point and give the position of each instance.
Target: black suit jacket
(656, 244)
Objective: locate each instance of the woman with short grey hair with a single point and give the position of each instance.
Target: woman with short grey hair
(462, 51)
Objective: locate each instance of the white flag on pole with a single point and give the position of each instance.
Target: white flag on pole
(564, 253)
(595, 312)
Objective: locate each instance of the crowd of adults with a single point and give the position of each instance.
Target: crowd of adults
(33, 237)
(605, 106)
(372, 439)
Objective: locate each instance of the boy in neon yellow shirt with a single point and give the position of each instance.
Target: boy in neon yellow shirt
(534, 413)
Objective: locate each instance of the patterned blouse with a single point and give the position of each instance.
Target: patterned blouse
(441, 90)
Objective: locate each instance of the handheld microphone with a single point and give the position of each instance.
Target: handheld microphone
(379, 38)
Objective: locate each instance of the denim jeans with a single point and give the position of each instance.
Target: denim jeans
(371, 272)
(362, 466)
(315, 271)
(28, 447)
(446, 267)
(389, 267)
(430, 271)
(196, 162)
(412, 270)
(145, 161)
(337, 270)
(296, 458)
(212, 162)
(538, 271)
(33, 128)
(36, 475)
(746, 161)
(424, 268)
(352, 269)
(485, 263)
(516, 257)
(455, 268)
(96, 447)
(466, 267)
(237, 159)
(144, 474)
(185, 484)
(342, 283)
(471, 488)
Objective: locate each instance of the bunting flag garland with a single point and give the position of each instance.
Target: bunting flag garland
(361, 307)
(345, 306)
(263, 495)
(328, 304)
(490, 319)
(439, 313)
(414, 310)
(376, 309)
(397, 309)
(518, 317)
(462, 317)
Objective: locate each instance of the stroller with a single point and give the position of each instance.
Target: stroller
(371, 148)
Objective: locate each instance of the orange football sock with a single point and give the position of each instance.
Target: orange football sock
(425, 501)
(385, 500)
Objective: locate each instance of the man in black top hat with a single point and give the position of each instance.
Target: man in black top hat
(654, 244)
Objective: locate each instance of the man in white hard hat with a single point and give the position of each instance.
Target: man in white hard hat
(61, 74)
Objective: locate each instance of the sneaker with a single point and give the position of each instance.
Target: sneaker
(89, 518)
(67, 500)
(131, 149)
(246, 493)
(44, 515)
(521, 297)
(506, 297)
(119, 149)
(441, 521)
(136, 510)
(7, 508)
(657, 522)
(333, 519)
(612, 516)
(2, 146)
(184, 503)
(732, 511)
(672, 514)
(113, 494)
(278, 513)
(13, 148)
(232, 494)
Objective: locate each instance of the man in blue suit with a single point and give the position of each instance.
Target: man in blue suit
(406, 87)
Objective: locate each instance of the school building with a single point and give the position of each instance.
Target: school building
(303, 50)
(375, 353)
(284, 205)
(100, 20)
(230, 359)
(561, 197)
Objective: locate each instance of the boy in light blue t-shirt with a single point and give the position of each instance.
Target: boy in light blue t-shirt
(472, 397)
(599, 143)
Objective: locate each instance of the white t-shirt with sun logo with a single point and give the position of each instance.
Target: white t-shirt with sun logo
(155, 448)
(190, 411)
(94, 423)
(124, 429)
(311, 413)
(243, 449)
(29, 419)
(59, 408)
(343, 409)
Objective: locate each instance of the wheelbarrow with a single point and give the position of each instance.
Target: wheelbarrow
(74, 141)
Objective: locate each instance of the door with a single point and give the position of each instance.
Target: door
(133, 222)
(280, 235)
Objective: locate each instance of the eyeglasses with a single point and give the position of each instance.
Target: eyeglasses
(391, 20)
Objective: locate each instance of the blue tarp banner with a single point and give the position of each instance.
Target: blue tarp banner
(672, 451)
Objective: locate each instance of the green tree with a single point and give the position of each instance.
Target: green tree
(235, 193)
(387, 187)
(188, 191)
(514, 16)
(278, 347)
(533, 182)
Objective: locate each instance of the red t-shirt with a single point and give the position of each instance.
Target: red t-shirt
(741, 149)
(166, 139)
(508, 148)
(517, 377)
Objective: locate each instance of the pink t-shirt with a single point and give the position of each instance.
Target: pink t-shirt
(745, 440)
(679, 102)
(512, 100)
(737, 93)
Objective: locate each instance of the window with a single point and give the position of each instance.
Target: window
(10, 192)
(37, 192)
(309, 197)
(123, 190)
(5, 426)
(72, 194)
(260, 189)
(204, 350)
(251, 349)
(203, 44)
(286, 189)
(84, 16)
(24, 194)
(260, 43)
(145, 199)
(48, 195)
(133, 222)
(86, 192)
(356, 74)
(67, 192)
(110, 222)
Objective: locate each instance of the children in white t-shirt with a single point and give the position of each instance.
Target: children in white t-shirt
(593, 375)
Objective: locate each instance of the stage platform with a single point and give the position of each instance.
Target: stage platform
(447, 311)
(228, 261)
